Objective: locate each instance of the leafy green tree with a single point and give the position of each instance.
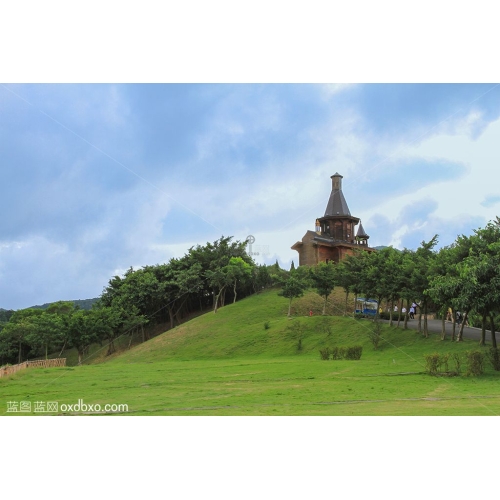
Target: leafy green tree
(213, 258)
(238, 271)
(84, 329)
(480, 273)
(378, 276)
(292, 288)
(261, 278)
(19, 330)
(323, 278)
(342, 278)
(219, 280)
(47, 333)
(354, 272)
(420, 279)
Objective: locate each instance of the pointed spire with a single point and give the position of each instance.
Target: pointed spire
(361, 234)
(337, 204)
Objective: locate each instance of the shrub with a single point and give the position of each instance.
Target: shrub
(354, 352)
(375, 334)
(325, 353)
(267, 325)
(494, 358)
(299, 345)
(432, 363)
(342, 352)
(458, 361)
(444, 361)
(395, 316)
(475, 363)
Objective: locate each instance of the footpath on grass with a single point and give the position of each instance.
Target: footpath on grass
(434, 326)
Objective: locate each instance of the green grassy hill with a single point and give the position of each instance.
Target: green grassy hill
(229, 364)
(238, 330)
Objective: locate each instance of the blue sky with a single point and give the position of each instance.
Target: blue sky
(98, 177)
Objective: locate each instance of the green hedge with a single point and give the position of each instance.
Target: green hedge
(395, 315)
(342, 352)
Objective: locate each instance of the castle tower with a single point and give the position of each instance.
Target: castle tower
(333, 238)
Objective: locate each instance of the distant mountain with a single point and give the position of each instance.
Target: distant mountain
(380, 247)
(82, 304)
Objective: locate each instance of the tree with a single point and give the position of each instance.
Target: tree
(292, 288)
(83, 330)
(260, 278)
(19, 330)
(480, 273)
(342, 277)
(354, 272)
(323, 278)
(218, 280)
(47, 333)
(238, 271)
(424, 257)
(15, 334)
(213, 258)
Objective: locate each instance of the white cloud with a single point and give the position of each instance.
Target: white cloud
(456, 199)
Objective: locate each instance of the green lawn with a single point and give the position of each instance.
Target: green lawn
(228, 364)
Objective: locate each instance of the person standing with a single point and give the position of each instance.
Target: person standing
(412, 312)
(449, 316)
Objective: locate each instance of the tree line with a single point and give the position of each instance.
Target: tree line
(464, 276)
(207, 277)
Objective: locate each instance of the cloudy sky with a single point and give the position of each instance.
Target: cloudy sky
(97, 178)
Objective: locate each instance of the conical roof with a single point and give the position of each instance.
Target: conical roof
(361, 232)
(336, 203)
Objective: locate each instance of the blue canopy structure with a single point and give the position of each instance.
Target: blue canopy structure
(366, 306)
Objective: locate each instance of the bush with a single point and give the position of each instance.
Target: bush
(444, 361)
(267, 325)
(325, 353)
(375, 334)
(458, 362)
(354, 352)
(432, 363)
(475, 363)
(342, 352)
(395, 316)
(494, 358)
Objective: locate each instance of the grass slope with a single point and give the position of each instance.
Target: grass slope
(228, 364)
